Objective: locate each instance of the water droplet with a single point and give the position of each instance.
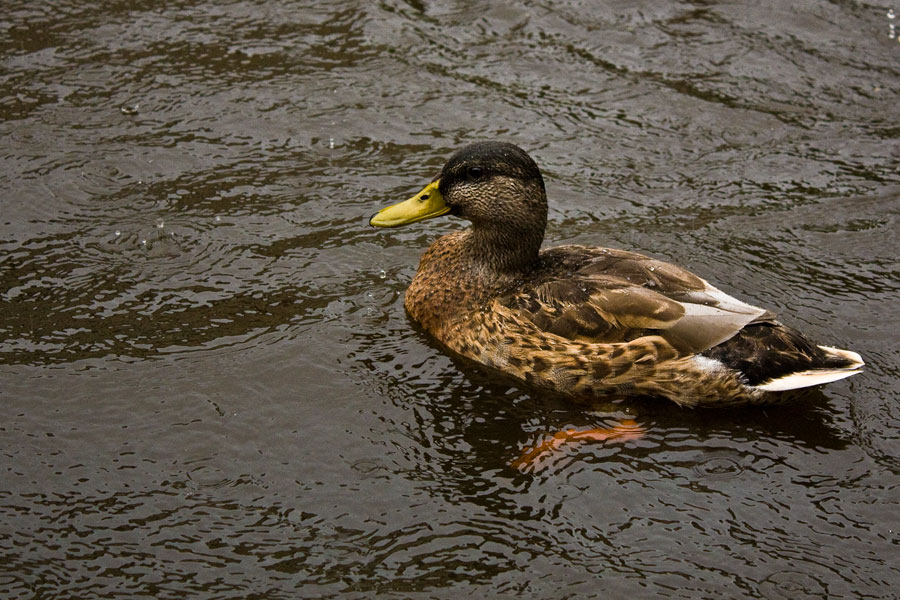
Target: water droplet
(118, 233)
(652, 268)
(367, 468)
(160, 224)
(794, 585)
(218, 218)
(719, 467)
(331, 142)
(382, 274)
(890, 13)
(143, 242)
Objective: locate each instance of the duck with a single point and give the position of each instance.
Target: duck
(583, 321)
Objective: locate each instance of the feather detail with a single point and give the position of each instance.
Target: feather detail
(853, 362)
(804, 379)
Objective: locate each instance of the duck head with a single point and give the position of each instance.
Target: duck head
(490, 184)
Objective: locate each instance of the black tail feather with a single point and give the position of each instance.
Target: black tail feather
(769, 350)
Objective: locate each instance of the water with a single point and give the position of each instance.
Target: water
(209, 387)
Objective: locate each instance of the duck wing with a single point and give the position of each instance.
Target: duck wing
(608, 296)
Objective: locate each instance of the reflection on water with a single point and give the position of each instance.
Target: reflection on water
(209, 387)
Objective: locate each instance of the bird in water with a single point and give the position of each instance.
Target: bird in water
(587, 321)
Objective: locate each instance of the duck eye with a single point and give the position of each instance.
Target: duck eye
(474, 172)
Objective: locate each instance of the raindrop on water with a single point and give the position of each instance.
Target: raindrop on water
(382, 274)
(118, 233)
(719, 467)
(160, 224)
(367, 467)
(331, 142)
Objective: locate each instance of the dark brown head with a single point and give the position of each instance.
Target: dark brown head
(497, 187)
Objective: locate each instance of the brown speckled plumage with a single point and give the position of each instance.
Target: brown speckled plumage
(586, 321)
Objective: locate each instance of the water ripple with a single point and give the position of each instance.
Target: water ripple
(210, 386)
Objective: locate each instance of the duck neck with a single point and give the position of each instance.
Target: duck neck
(505, 252)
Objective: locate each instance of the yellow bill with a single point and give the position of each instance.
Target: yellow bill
(424, 205)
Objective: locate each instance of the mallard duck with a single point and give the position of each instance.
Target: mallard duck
(587, 321)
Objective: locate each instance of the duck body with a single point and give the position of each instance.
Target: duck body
(588, 321)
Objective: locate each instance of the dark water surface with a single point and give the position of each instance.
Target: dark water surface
(208, 386)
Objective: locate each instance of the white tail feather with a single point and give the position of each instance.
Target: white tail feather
(805, 379)
(813, 377)
(850, 355)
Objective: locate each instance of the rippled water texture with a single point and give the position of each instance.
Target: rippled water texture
(208, 386)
